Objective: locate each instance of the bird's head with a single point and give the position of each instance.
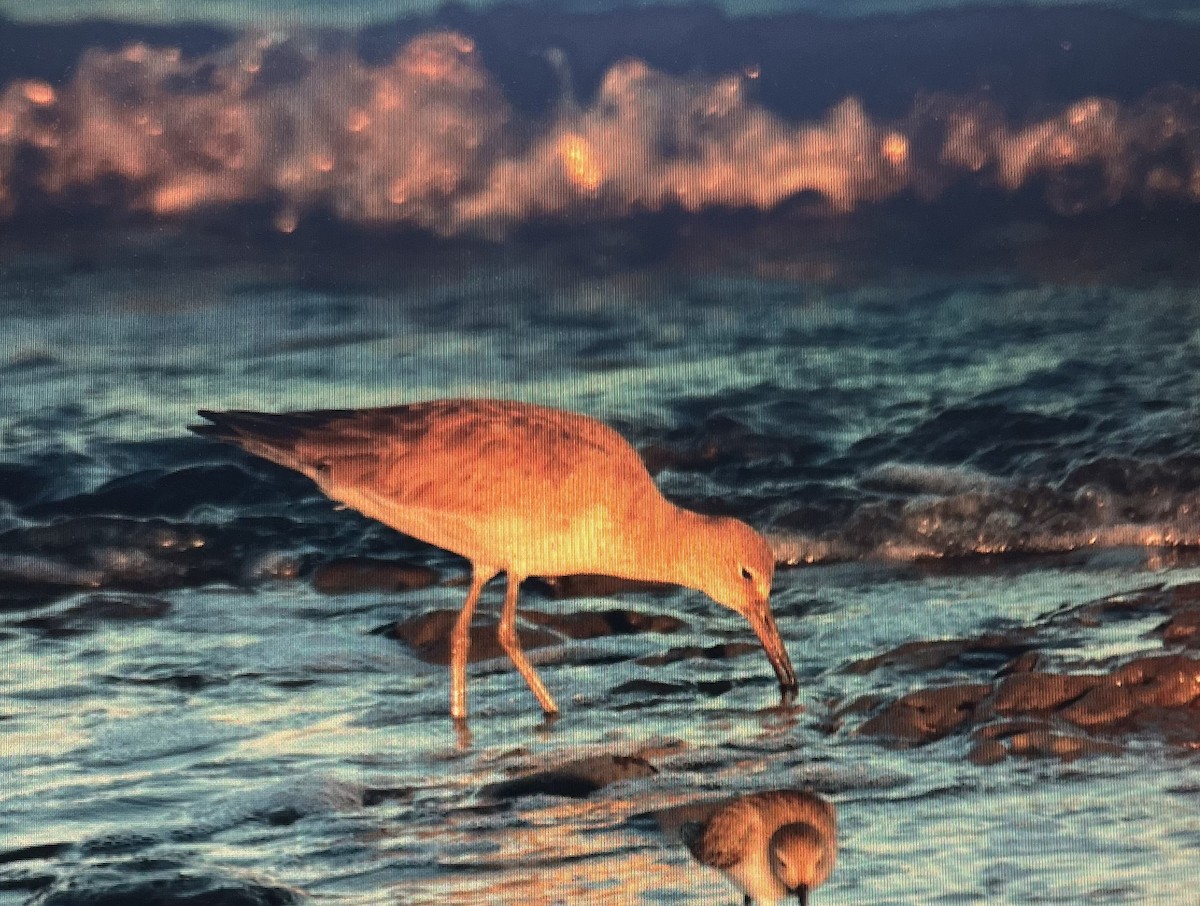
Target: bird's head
(800, 858)
(736, 571)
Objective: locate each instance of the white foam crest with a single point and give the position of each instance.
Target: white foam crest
(797, 549)
(931, 479)
(428, 140)
(43, 570)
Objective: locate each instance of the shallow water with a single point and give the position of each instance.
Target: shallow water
(956, 408)
(226, 721)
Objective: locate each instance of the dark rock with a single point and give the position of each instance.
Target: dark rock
(114, 552)
(1026, 663)
(184, 682)
(20, 484)
(162, 889)
(1167, 681)
(26, 880)
(51, 627)
(721, 652)
(593, 624)
(1125, 605)
(283, 816)
(373, 796)
(36, 851)
(714, 688)
(76, 614)
(1008, 728)
(360, 574)
(1033, 739)
(429, 634)
(695, 459)
(928, 714)
(1027, 714)
(1066, 747)
(1029, 711)
(429, 637)
(647, 687)
(575, 779)
(987, 752)
(1103, 704)
(1026, 693)
(593, 586)
(172, 492)
(118, 606)
(1178, 727)
(933, 655)
(1182, 629)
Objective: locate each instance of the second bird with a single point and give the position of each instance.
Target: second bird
(518, 489)
(771, 845)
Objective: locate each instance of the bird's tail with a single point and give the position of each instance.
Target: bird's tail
(272, 436)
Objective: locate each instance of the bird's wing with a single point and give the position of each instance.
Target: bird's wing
(303, 440)
(726, 837)
(796, 806)
(426, 451)
(298, 440)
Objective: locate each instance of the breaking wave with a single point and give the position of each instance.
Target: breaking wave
(429, 140)
(927, 513)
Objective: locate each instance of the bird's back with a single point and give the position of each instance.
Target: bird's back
(748, 821)
(476, 477)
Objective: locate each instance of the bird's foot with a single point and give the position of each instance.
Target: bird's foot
(549, 719)
(462, 733)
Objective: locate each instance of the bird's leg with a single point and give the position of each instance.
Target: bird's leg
(507, 633)
(460, 644)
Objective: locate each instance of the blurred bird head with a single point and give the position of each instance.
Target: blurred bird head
(800, 858)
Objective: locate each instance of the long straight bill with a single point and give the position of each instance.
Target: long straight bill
(763, 623)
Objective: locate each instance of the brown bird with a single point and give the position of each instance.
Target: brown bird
(521, 489)
(771, 845)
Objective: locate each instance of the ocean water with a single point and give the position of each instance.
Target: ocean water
(934, 329)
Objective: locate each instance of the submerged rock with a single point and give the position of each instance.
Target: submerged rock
(114, 887)
(1054, 715)
(592, 586)
(1037, 693)
(928, 714)
(81, 613)
(938, 653)
(591, 624)
(360, 574)
(429, 634)
(429, 637)
(720, 652)
(1028, 711)
(33, 852)
(575, 779)
(1036, 742)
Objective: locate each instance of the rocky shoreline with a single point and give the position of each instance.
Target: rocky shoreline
(1029, 709)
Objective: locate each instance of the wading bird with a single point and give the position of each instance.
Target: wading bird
(771, 845)
(518, 489)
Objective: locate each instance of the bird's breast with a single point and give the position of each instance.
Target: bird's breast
(538, 538)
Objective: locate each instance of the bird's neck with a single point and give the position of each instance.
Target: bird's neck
(664, 545)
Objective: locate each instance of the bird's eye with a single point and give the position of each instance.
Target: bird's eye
(747, 575)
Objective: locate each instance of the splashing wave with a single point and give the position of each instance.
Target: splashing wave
(429, 140)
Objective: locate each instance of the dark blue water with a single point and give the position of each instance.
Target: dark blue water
(877, 425)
